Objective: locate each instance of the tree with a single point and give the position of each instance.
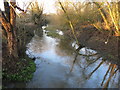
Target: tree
(8, 21)
(37, 13)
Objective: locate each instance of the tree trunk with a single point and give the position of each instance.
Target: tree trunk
(9, 23)
(12, 42)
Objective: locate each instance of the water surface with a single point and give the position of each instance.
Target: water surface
(59, 66)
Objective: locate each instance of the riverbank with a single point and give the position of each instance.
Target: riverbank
(22, 68)
(101, 41)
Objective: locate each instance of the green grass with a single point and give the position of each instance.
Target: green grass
(52, 28)
(53, 34)
(25, 74)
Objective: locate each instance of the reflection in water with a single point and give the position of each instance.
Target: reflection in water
(111, 71)
(60, 66)
(64, 46)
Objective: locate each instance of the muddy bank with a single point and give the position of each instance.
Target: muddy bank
(97, 40)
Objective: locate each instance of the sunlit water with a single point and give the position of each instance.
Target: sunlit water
(54, 62)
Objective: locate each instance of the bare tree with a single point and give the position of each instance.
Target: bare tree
(8, 21)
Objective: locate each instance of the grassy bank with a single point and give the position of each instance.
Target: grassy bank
(53, 34)
(25, 67)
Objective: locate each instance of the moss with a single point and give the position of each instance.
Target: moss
(25, 74)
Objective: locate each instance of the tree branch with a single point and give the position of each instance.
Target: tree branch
(7, 26)
(19, 8)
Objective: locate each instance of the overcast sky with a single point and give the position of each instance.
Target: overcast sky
(48, 4)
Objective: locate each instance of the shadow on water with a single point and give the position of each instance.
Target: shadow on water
(59, 65)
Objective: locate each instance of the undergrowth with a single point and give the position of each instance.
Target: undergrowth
(25, 73)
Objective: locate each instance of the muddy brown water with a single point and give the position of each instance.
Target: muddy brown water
(55, 67)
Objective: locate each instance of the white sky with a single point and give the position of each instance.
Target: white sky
(49, 6)
(1, 5)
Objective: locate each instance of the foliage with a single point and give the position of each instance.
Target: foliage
(24, 74)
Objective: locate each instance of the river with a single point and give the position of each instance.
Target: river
(59, 66)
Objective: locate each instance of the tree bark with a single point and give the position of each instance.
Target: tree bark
(12, 42)
(9, 24)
